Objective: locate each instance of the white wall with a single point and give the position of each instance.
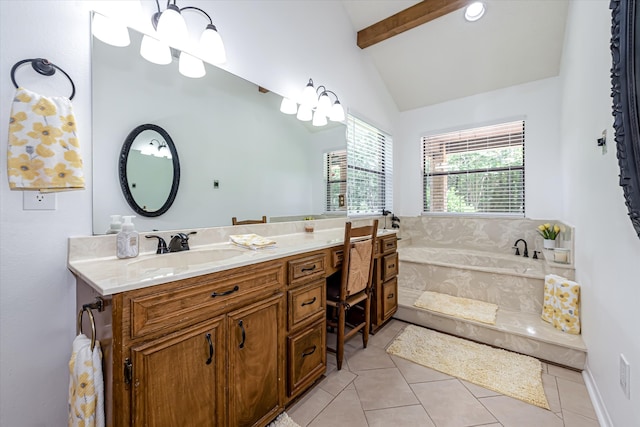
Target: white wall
(537, 102)
(607, 248)
(278, 45)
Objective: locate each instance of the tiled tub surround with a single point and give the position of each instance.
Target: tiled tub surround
(467, 264)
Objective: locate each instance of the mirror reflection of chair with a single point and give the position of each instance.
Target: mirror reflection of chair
(349, 290)
(235, 221)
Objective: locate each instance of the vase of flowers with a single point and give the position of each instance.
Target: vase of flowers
(549, 234)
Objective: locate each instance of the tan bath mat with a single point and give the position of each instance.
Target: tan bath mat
(505, 372)
(465, 308)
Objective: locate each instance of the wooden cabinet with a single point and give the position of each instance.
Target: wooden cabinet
(385, 283)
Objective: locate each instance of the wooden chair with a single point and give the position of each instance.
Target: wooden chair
(235, 221)
(351, 288)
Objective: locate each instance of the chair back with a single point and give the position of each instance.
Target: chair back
(357, 264)
(234, 221)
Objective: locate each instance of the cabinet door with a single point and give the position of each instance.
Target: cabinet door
(178, 380)
(256, 356)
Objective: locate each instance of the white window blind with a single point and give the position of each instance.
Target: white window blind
(369, 168)
(478, 170)
(335, 167)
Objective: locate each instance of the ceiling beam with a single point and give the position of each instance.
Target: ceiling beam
(418, 14)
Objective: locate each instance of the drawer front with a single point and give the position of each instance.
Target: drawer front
(303, 270)
(389, 266)
(171, 308)
(306, 302)
(389, 298)
(307, 357)
(387, 244)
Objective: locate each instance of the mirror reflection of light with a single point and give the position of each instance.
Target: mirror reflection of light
(474, 11)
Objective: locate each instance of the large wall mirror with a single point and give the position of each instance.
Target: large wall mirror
(224, 129)
(625, 49)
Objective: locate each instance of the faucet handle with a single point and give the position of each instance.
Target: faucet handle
(535, 254)
(517, 250)
(162, 245)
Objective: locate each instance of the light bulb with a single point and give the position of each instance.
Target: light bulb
(190, 66)
(288, 106)
(172, 29)
(109, 31)
(324, 105)
(474, 11)
(211, 46)
(304, 113)
(155, 51)
(337, 112)
(309, 96)
(319, 119)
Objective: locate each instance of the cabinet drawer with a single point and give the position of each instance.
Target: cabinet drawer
(306, 302)
(387, 244)
(389, 298)
(389, 266)
(307, 357)
(303, 270)
(169, 308)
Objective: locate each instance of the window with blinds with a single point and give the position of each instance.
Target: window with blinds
(369, 168)
(478, 170)
(335, 169)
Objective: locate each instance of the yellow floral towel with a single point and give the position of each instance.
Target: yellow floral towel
(43, 150)
(251, 241)
(561, 305)
(86, 387)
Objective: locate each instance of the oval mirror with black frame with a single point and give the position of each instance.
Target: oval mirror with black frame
(625, 79)
(149, 170)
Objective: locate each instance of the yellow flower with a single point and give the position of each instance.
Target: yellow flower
(556, 229)
(547, 226)
(44, 107)
(73, 158)
(68, 123)
(62, 177)
(85, 386)
(563, 296)
(43, 151)
(13, 140)
(24, 166)
(46, 134)
(569, 321)
(23, 97)
(14, 121)
(74, 142)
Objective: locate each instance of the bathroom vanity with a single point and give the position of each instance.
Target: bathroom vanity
(216, 336)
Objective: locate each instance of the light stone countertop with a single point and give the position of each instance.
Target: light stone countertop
(109, 275)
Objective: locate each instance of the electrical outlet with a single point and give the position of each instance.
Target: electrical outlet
(216, 184)
(625, 376)
(35, 201)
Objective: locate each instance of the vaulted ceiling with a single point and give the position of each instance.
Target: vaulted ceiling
(517, 41)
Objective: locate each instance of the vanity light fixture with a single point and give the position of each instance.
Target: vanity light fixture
(316, 104)
(474, 11)
(157, 149)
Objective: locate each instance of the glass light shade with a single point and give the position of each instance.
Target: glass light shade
(324, 105)
(304, 114)
(172, 29)
(319, 119)
(309, 96)
(110, 31)
(474, 11)
(288, 106)
(211, 46)
(155, 51)
(190, 66)
(337, 112)
(148, 149)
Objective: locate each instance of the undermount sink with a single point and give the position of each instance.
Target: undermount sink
(184, 259)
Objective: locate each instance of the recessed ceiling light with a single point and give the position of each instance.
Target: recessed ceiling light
(474, 11)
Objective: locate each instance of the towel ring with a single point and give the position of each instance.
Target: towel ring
(44, 67)
(93, 325)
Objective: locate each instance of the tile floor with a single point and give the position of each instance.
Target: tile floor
(377, 389)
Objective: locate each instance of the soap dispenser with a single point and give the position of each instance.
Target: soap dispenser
(115, 226)
(127, 239)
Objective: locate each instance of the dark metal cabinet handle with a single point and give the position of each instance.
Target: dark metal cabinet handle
(390, 296)
(310, 352)
(309, 268)
(308, 302)
(391, 266)
(210, 359)
(244, 336)
(229, 292)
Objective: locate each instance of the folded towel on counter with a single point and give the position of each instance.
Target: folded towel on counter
(86, 385)
(561, 306)
(43, 151)
(251, 241)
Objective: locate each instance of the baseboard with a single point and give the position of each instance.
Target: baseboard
(596, 399)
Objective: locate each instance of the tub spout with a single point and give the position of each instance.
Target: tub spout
(526, 250)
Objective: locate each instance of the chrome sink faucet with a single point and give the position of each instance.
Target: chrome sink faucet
(526, 250)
